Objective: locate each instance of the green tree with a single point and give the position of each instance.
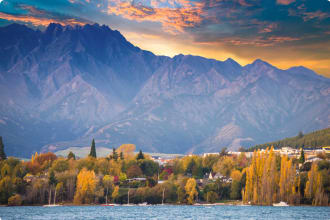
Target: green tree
(114, 154)
(52, 179)
(2, 150)
(93, 150)
(140, 155)
(211, 196)
(224, 152)
(121, 155)
(71, 155)
(302, 156)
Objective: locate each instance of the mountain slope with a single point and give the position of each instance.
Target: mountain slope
(66, 85)
(315, 139)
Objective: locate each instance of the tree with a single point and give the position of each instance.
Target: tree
(115, 193)
(2, 150)
(127, 149)
(86, 184)
(108, 184)
(140, 156)
(114, 154)
(52, 179)
(121, 155)
(71, 155)
(223, 152)
(59, 189)
(300, 134)
(134, 171)
(235, 191)
(211, 196)
(93, 150)
(191, 191)
(224, 166)
(302, 156)
(15, 200)
(51, 182)
(148, 167)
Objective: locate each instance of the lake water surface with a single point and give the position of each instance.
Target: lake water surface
(165, 212)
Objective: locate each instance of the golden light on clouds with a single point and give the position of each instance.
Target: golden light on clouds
(39, 21)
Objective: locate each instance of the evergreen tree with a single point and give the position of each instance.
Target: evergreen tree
(52, 179)
(121, 156)
(302, 156)
(2, 150)
(140, 155)
(93, 150)
(300, 134)
(114, 154)
(223, 152)
(71, 155)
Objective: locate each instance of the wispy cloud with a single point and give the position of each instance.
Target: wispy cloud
(38, 17)
(174, 16)
(285, 2)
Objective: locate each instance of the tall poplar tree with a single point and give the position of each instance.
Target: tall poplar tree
(2, 150)
(93, 150)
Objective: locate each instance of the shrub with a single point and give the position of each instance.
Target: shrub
(15, 200)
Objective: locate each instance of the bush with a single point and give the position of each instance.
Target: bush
(15, 200)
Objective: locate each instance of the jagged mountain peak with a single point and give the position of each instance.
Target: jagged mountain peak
(59, 83)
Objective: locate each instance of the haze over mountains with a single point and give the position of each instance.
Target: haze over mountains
(66, 85)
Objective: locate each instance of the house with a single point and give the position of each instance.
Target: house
(220, 177)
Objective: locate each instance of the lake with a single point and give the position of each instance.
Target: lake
(164, 212)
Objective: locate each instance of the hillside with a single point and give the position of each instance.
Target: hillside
(314, 139)
(65, 85)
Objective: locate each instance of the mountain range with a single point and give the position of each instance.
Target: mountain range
(62, 86)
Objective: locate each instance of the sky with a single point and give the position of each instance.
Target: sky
(284, 33)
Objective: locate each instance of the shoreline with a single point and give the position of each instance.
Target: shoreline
(166, 204)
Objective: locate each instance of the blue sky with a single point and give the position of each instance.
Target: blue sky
(283, 32)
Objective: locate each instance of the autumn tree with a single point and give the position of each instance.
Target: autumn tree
(134, 171)
(108, 184)
(191, 191)
(261, 179)
(224, 166)
(127, 150)
(314, 188)
(86, 184)
(235, 191)
(115, 193)
(93, 150)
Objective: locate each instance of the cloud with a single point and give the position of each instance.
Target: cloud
(40, 17)
(284, 2)
(316, 14)
(174, 17)
(260, 41)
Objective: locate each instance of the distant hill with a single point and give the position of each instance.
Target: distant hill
(314, 139)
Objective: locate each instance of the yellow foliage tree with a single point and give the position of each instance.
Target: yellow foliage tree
(127, 150)
(115, 193)
(191, 191)
(314, 189)
(86, 184)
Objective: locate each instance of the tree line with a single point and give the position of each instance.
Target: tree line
(316, 139)
(264, 179)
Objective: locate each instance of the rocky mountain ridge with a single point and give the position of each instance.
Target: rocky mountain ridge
(65, 85)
